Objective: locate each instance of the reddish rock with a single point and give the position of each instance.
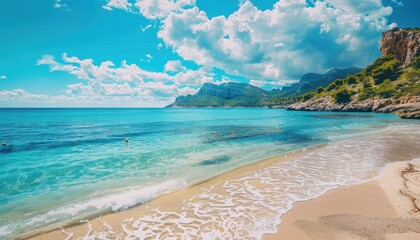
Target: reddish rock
(402, 44)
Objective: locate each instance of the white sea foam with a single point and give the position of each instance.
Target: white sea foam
(111, 202)
(251, 206)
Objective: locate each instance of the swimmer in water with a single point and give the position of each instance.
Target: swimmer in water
(126, 140)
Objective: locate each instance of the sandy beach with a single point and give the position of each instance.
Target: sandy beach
(387, 208)
(228, 206)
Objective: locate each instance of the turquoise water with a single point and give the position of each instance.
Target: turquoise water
(63, 165)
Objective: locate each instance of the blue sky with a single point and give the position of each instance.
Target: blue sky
(144, 53)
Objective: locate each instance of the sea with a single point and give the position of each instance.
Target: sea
(60, 166)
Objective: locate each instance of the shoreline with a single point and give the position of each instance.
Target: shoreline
(116, 223)
(194, 187)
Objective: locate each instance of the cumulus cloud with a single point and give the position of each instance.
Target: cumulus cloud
(285, 42)
(106, 82)
(119, 4)
(150, 9)
(174, 66)
(87, 70)
(158, 9)
(22, 97)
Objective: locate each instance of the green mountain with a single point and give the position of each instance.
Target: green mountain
(245, 95)
(226, 95)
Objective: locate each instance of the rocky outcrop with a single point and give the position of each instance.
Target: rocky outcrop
(405, 107)
(403, 44)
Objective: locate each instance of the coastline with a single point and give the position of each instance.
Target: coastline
(123, 222)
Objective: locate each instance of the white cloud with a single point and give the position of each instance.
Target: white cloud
(3, 77)
(393, 25)
(285, 42)
(195, 78)
(119, 4)
(158, 9)
(144, 29)
(85, 69)
(398, 3)
(271, 83)
(107, 83)
(150, 9)
(60, 5)
(174, 66)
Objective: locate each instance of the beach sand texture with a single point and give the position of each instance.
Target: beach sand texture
(251, 202)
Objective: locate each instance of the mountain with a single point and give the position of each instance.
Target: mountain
(311, 81)
(245, 95)
(391, 84)
(224, 95)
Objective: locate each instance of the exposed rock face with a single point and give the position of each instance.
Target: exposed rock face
(405, 107)
(402, 44)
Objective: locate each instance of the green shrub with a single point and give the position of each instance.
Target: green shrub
(330, 87)
(351, 79)
(319, 89)
(385, 89)
(385, 71)
(366, 93)
(307, 96)
(413, 75)
(416, 63)
(339, 82)
(378, 62)
(342, 95)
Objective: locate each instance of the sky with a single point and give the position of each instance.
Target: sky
(144, 53)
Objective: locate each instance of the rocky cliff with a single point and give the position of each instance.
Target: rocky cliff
(403, 44)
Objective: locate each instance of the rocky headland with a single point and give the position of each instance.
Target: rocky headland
(390, 85)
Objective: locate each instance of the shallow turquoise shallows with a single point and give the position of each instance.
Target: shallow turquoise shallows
(63, 165)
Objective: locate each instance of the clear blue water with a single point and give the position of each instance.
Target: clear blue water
(61, 165)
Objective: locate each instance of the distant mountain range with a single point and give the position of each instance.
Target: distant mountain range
(311, 81)
(233, 94)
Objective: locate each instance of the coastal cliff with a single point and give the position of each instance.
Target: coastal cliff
(391, 84)
(402, 44)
